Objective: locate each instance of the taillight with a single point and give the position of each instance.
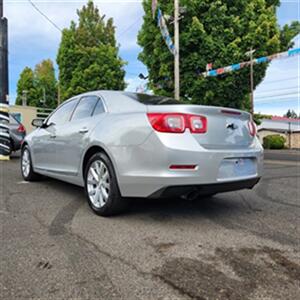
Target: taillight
(252, 128)
(198, 124)
(167, 122)
(21, 128)
(177, 122)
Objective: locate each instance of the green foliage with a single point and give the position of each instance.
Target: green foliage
(218, 31)
(37, 84)
(291, 114)
(258, 117)
(88, 56)
(26, 85)
(274, 141)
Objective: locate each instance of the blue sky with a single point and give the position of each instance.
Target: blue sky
(32, 39)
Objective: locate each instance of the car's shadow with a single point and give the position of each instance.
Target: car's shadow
(164, 208)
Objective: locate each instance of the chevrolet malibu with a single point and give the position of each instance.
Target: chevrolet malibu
(120, 145)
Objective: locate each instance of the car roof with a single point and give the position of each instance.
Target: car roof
(116, 101)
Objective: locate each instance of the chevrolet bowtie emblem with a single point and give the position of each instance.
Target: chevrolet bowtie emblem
(232, 126)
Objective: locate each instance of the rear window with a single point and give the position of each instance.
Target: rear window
(152, 100)
(12, 120)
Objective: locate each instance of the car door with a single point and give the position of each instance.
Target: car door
(44, 147)
(73, 139)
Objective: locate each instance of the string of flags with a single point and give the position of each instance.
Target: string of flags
(161, 23)
(241, 65)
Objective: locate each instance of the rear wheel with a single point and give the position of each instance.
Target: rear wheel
(26, 166)
(101, 186)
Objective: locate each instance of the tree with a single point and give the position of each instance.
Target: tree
(88, 56)
(38, 84)
(46, 84)
(291, 114)
(25, 86)
(218, 31)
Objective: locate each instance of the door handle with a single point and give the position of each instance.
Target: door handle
(83, 130)
(52, 136)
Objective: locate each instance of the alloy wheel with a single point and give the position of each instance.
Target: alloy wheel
(26, 163)
(98, 183)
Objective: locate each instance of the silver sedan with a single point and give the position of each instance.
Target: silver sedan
(119, 145)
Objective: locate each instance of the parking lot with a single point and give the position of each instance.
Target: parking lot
(240, 245)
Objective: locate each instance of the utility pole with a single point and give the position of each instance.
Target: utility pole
(290, 135)
(250, 54)
(58, 93)
(24, 98)
(5, 144)
(176, 56)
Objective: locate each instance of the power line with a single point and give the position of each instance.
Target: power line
(279, 80)
(279, 90)
(278, 95)
(44, 15)
(129, 27)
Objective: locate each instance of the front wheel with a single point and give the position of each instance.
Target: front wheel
(101, 186)
(26, 166)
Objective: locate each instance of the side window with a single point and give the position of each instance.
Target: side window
(63, 114)
(85, 107)
(99, 109)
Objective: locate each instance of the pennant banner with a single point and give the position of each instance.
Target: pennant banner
(161, 22)
(260, 60)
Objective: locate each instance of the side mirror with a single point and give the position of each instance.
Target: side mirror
(37, 122)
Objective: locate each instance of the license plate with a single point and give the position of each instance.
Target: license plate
(237, 168)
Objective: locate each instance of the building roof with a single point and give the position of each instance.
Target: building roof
(285, 119)
(280, 124)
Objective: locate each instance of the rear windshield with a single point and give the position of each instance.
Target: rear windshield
(151, 100)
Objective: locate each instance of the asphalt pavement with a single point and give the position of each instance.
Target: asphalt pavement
(239, 245)
(283, 155)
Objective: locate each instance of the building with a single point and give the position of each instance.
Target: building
(288, 128)
(25, 114)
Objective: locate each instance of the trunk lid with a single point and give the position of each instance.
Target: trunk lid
(226, 128)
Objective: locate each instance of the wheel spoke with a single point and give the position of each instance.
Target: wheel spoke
(92, 181)
(101, 197)
(92, 191)
(97, 197)
(105, 176)
(94, 174)
(99, 168)
(106, 184)
(104, 192)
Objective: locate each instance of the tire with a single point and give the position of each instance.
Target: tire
(101, 186)
(26, 166)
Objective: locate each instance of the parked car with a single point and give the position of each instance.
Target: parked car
(119, 145)
(17, 133)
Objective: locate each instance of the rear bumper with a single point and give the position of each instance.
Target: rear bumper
(144, 170)
(204, 189)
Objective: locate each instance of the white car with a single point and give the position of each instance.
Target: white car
(121, 145)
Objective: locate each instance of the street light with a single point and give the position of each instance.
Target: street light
(250, 54)
(142, 76)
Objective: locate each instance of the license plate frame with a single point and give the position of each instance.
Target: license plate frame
(237, 168)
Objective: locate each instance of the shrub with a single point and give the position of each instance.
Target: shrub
(274, 141)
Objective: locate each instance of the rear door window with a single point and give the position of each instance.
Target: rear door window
(85, 107)
(99, 109)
